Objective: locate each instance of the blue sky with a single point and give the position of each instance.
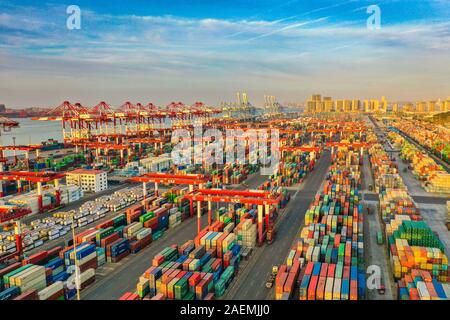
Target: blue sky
(160, 51)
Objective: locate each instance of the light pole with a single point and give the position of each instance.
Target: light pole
(77, 274)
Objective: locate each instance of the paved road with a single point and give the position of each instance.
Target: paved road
(250, 282)
(113, 280)
(417, 199)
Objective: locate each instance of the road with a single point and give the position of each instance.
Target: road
(418, 199)
(249, 284)
(374, 254)
(113, 280)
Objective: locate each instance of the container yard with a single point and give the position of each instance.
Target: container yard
(120, 219)
(224, 159)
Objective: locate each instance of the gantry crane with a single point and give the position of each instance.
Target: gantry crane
(263, 199)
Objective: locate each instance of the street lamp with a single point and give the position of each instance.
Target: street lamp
(77, 273)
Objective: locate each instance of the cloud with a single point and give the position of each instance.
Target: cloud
(166, 54)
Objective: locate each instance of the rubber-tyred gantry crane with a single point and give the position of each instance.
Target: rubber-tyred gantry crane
(263, 199)
(35, 177)
(166, 178)
(355, 145)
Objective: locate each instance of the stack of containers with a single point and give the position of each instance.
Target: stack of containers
(246, 233)
(433, 137)
(416, 253)
(293, 169)
(424, 167)
(331, 244)
(420, 285)
(197, 270)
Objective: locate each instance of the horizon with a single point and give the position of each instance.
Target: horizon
(202, 51)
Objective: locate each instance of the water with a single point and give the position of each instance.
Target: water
(31, 132)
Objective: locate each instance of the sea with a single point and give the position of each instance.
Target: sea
(31, 132)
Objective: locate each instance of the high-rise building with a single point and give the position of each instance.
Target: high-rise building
(339, 105)
(328, 105)
(447, 105)
(366, 106)
(316, 97)
(431, 106)
(355, 105)
(347, 104)
(408, 107)
(375, 105)
(421, 106)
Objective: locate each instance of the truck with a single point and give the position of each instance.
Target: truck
(272, 276)
(270, 235)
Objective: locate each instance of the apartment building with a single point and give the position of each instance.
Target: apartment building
(88, 180)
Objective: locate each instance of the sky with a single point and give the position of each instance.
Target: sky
(206, 50)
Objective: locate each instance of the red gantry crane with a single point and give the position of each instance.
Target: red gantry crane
(263, 199)
(35, 177)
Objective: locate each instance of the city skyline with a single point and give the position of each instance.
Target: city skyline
(207, 51)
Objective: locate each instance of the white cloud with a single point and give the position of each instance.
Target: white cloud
(184, 56)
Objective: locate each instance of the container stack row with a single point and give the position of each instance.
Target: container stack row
(327, 261)
(434, 138)
(108, 242)
(424, 168)
(417, 255)
(199, 269)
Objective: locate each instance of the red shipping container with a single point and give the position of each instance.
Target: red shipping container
(312, 287)
(346, 274)
(353, 290)
(321, 288)
(280, 280)
(35, 258)
(105, 224)
(10, 268)
(309, 268)
(133, 296)
(195, 279)
(125, 296)
(84, 233)
(54, 252)
(331, 270)
(323, 269)
(216, 264)
(109, 239)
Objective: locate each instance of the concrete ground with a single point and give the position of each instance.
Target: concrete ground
(375, 254)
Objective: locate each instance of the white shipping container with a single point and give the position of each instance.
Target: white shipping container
(52, 289)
